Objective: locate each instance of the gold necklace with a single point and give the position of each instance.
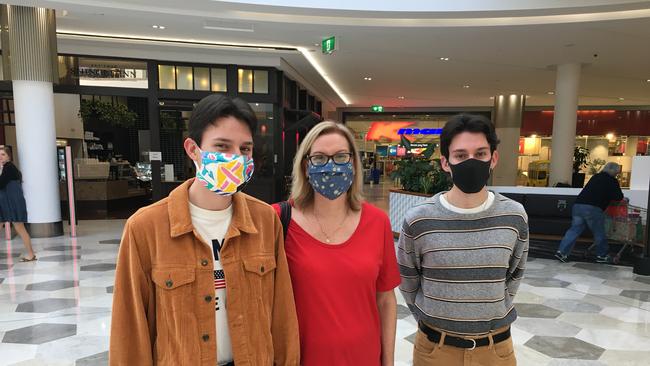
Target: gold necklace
(327, 237)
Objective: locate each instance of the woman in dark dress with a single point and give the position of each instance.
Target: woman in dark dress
(12, 201)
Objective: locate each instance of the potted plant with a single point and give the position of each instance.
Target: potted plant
(117, 115)
(420, 178)
(580, 155)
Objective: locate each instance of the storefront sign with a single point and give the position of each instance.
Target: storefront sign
(110, 73)
(155, 156)
(394, 130)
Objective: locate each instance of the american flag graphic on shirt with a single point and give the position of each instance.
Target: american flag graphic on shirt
(219, 279)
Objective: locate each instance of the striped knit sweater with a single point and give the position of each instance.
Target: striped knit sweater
(460, 272)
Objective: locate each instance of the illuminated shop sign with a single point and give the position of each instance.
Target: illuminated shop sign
(394, 130)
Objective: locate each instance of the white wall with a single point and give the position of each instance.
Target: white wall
(66, 114)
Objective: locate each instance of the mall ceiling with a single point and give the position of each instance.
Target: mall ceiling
(417, 53)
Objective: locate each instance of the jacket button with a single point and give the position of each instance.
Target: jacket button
(208, 298)
(262, 269)
(169, 283)
(204, 262)
(206, 337)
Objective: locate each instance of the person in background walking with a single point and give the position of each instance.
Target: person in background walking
(12, 201)
(589, 211)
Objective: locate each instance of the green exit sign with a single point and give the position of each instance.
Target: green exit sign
(377, 108)
(329, 45)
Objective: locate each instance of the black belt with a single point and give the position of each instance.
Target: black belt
(434, 336)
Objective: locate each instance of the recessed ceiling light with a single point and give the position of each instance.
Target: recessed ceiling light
(550, 92)
(367, 78)
(156, 26)
(466, 86)
(444, 58)
(400, 97)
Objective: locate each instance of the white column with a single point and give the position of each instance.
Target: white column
(508, 115)
(567, 85)
(36, 137)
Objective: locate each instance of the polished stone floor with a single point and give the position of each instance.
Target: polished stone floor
(56, 311)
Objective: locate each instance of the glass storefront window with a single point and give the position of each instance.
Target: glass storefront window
(184, 78)
(201, 78)
(219, 80)
(261, 81)
(245, 80)
(263, 150)
(166, 77)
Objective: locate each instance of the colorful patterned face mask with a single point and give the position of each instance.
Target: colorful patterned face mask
(224, 174)
(331, 180)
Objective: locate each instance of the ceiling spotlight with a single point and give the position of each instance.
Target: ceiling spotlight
(155, 26)
(550, 93)
(400, 97)
(444, 58)
(367, 78)
(621, 99)
(610, 136)
(648, 81)
(465, 86)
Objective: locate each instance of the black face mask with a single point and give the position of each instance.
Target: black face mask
(471, 175)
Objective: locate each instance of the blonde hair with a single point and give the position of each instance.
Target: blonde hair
(302, 192)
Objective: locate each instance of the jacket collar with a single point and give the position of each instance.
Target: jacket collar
(181, 221)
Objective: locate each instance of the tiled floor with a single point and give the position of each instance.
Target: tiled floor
(56, 311)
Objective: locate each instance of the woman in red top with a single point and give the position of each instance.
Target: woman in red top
(341, 257)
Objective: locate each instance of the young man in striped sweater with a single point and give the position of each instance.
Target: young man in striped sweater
(462, 255)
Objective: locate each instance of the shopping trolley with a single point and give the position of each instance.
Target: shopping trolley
(624, 224)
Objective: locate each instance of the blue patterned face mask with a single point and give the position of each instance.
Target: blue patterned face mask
(331, 180)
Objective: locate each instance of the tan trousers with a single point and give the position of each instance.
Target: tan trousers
(427, 353)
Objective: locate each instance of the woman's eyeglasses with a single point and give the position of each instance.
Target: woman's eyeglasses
(322, 159)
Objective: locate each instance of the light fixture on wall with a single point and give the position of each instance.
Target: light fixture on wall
(444, 58)
(367, 78)
(621, 99)
(401, 97)
(466, 86)
(550, 92)
(610, 136)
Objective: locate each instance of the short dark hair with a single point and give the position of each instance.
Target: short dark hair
(216, 106)
(467, 123)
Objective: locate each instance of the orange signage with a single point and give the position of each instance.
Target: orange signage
(386, 130)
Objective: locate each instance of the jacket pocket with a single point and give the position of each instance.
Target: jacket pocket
(173, 306)
(173, 287)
